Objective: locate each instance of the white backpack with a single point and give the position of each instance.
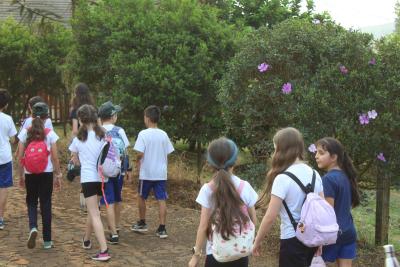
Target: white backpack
(238, 246)
(317, 225)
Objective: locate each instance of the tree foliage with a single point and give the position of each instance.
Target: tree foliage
(169, 54)
(30, 59)
(336, 77)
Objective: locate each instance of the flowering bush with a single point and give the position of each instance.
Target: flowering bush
(322, 79)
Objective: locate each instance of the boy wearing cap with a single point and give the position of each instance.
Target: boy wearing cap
(153, 146)
(7, 130)
(108, 114)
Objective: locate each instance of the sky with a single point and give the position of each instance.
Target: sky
(358, 13)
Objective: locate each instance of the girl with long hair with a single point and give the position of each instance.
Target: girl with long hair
(341, 191)
(39, 184)
(282, 190)
(222, 201)
(82, 97)
(86, 148)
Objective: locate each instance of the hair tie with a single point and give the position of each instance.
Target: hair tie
(230, 162)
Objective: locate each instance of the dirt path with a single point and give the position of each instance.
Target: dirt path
(142, 250)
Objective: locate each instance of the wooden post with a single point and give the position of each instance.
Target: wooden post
(382, 206)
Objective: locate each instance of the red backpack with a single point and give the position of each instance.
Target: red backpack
(36, 156)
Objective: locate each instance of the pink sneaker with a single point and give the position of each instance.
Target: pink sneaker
(102, 256)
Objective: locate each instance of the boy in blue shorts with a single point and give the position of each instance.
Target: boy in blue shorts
(153, 147)
(113, 188)
(7, 130)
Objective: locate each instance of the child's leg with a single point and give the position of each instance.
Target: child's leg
(45, 193)
(92, 204)
(111, 218)
(344, 262)
(89, 228)
(163, 211)
(142, 208)
(3, 201)
(118, 209)
(32, 195)
(160, 192)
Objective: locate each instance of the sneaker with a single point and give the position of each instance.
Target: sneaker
(47, 244)
(113, 239)
(162, 233)
(32, 238)
(139, 227)
(102, 256)
(86, 244)
(1, 224)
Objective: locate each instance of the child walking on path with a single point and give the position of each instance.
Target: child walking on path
(7, 130)
(38, 160)
(113, 188)
(341, 191)
(86, 148)
(154, 146)
(288, 156)
(227, 203)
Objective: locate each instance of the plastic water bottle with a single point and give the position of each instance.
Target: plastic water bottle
(390, 260)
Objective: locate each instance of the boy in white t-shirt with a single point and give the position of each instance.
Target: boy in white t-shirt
(7, 130)
(153, 146)
(113, 188)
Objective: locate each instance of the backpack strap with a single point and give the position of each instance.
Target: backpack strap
(305, 189)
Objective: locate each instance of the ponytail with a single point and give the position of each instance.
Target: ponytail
(36, 131)
(83, 133)
(99, 131)
(227, 203)
(347, 166)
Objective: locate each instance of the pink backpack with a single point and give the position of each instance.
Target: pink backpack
(36, 156)
(238, 246)
(317, 225)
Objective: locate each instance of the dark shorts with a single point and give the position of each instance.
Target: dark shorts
(293, 253)
(159, 188)
(212, 262)
(91, 189)
(6, 175)
(339, 251)
(113, 190)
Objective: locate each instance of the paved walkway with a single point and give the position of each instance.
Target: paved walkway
(144, 250)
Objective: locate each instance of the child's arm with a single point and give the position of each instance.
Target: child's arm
(75, 158)
(56, 165)
(201, 236)
(20, 155)
(139, 158)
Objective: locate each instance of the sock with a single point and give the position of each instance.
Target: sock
(161, 227)
(105, 251)
(142, 221)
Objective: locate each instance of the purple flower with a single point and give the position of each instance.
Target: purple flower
(372, 61)
(363, 119)
(372, 114)
(312, 148)
(287, 88)
(381, 157)
(343, 69)
(263, 67)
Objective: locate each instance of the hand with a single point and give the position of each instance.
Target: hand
(22, 181)
(257, 249)
(129, 177)
(194, 261)
(57, 181)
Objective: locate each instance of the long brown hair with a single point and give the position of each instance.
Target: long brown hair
(227, 203)
(87, 114)
(82, 96)
(334, 147)
(36, 131)
(289, 146)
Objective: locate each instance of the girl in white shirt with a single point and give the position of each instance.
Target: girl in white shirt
(86, 148)
(220, 199)
(288, 156)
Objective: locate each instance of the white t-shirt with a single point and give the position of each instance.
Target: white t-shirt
(286, 189)
(51, 139)
(7, 130)
(154, 143)
(88, 153)
(121, 132)
(28, 123)
(248, 195)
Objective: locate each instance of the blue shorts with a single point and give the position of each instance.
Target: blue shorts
(113, 190)
(6, 173)
(339, 251)
(159, 188)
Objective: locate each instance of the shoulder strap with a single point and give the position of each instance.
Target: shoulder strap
(47, 131)
(305, 190)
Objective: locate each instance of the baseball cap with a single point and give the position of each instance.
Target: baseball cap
(108, 109)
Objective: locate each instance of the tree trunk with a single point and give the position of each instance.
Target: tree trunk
(199, 161)
(382, 206)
